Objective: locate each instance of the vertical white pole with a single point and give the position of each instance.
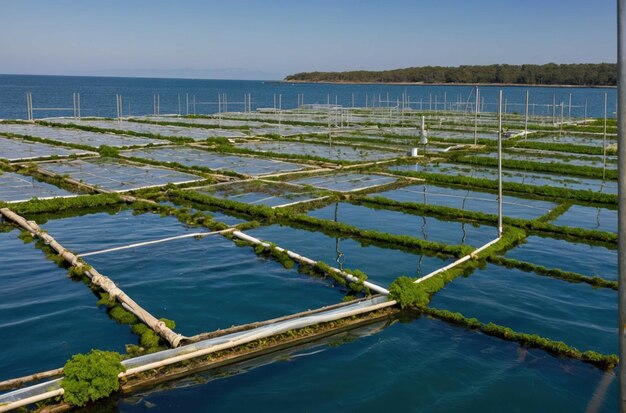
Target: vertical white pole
(179, 104)
(561, 124)
(187, 104)
(569, 107)
(500, 164)
(621, 147)
(604, 140)
(476, 118)
(526, 116)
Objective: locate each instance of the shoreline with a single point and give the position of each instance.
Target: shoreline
(447, 84)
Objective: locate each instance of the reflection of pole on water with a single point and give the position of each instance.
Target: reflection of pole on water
(341, 258)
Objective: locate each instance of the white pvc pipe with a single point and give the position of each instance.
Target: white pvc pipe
(31, 400)
(308, 261)
(293, 324)
(458, 262)
(145, 243)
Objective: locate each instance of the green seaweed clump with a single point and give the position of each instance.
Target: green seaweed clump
(92, 376)
(407, 293)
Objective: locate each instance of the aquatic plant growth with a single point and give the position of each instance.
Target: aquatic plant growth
(90, 377)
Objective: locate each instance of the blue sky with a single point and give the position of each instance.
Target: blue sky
(270, 39)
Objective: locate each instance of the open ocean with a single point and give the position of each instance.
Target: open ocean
(98, 95)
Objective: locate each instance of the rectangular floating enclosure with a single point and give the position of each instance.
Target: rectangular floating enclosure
(274, 194)
(289, 130)
(443, 355)
(18, 188)
(45, 317)
(600, 219)
(381, 264)
(333, 152)
(79, 137)
(400, 223)
(345, 182)
(584, 140)
(216, 161)
(198, 134)
(590, 260)
(564, 159)
(204, 121)
(578, 314)
(509, 175)
(466, 135)
(210, 283)
(22, 150)
(116, 176)
(469, 200)
(84, 234)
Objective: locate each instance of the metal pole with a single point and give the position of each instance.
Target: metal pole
(561, 125)
(194, 104)
(526, 117)
(554, 110)
(500, 164)
(621, 133)
(476, 118)
(604, 141)
(158, 103)
(585, 108)
(569, 107)
(78, 105)
(179, 104)
(187, 104)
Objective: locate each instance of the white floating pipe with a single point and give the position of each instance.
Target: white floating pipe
(458, 262)
(145, 243)
(31, 400)
(308, 261)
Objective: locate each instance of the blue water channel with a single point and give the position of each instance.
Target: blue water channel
(469, 200)
(400, 223)
(578, 314)
(45, 317)
(423, 365)
(601, 219)
(590, 260)
(382, 265)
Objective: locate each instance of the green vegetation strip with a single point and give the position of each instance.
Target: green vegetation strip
(554, 273)
(602, 361)
(39, 206)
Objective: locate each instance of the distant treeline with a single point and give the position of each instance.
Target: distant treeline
(586, 74)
